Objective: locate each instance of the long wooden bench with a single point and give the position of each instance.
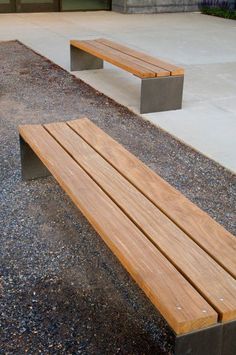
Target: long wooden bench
(161, 82)
(182, 259)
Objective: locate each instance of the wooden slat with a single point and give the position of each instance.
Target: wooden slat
(129, 55)
(179, 303)
(119, 59)
(174, 70)
(211, 236)
(213, 282)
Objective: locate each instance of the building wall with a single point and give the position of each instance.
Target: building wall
(154, 6)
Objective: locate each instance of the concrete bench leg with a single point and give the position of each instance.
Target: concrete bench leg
(219, 339)
(80, 60)
(202, 342)
(229, 338)
(161, 94)
(31, 165)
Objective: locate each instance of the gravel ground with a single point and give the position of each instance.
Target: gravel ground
(62, 290)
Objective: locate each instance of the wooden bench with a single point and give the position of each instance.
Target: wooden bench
(181, 258)
(161, 82)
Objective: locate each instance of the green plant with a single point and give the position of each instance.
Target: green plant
(218, 8)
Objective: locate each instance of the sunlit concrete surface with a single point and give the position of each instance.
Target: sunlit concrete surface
(203, 45)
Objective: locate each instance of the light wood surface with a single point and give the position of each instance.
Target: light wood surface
(206, 232)
(131, 64)
(173, 69)
(213, 282)
(179, 303)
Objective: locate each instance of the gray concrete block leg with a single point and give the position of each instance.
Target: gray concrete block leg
(80, 60)
(229, 338)
(161, 94)
(31, 165)
(206, 341)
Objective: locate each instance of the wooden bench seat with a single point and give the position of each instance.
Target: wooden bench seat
(182, 259)
(156, 95)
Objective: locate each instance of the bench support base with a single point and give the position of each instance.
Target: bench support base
(31, 165)
(202, 342)
(229, 338)
(81, 60)
(161, 94)
(219, 339)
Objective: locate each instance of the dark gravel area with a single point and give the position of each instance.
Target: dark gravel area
(62, 290)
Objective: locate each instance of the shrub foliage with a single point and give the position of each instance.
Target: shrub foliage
(218, 8)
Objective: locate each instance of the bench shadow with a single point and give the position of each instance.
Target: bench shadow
(89, 321)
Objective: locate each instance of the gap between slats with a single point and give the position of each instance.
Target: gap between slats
(159, 207)
(143, 231)
(125, 60)
(109, 44)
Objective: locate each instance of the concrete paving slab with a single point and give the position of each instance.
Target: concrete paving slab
(203, 45)
(207, 128)
(208, 82)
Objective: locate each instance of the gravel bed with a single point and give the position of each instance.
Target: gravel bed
(62, 290)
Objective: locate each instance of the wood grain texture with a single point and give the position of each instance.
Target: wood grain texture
(208, 277)
(206, 232)
(179, 303)
(124, 61)
(173, 69)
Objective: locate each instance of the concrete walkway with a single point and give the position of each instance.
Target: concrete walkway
(203, 45)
